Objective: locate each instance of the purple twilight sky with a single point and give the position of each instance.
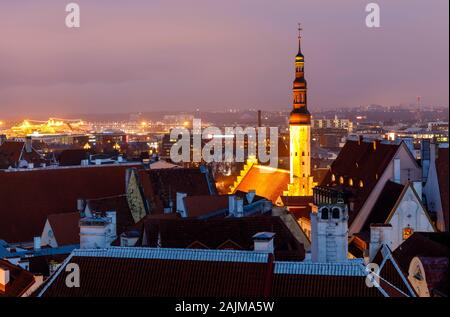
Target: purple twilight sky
(144, 55)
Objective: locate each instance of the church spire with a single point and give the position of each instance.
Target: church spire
(300, 114)
(300, 40)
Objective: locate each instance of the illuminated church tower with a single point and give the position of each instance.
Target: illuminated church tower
(301, 181)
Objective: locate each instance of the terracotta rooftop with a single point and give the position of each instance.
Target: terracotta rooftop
(205, 273)
(65, 228)
(28, 197)
(119, 204)
(72, 157)
(160, 186)
(422, 244)
(266, 181)
(198, 206)
(360, 161)
(14, 151)
(213, 233)
(20, 280)
(384, 204)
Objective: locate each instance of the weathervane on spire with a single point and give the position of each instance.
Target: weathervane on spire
(299, 30)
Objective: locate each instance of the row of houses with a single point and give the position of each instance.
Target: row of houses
(165, 231)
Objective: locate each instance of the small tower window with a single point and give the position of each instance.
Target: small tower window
(325, 212)
(350, 182)
(361, 183)
(335, 213)
(341, 180)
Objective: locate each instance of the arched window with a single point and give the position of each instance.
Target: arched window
(350, 182)
(335, 213)
(325, 212)
(333, 177)
(361, 183)
(341, 180)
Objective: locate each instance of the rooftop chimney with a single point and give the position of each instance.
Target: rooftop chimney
(37, 243)
(250, 195)
(231, 204)
(4, 277)
(113, 216)
(28, 144)
(239, 207)
(380, 234)
(263, 242)
(81, 205)
(180, 206)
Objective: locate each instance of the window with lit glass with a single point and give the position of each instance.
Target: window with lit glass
(407, 232)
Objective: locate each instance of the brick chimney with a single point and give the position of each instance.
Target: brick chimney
(263, 242)
(4, 277)
(28, 144)
(380, 234)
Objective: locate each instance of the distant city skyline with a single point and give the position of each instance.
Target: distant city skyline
(143, 56)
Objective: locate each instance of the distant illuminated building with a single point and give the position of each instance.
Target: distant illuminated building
(50, 127)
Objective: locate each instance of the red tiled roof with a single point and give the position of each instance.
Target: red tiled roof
(20, 280)
(65, 228)
(72, 157)
(290, 285)
(119, 204)
(14, 151)
(197, 206)
(296, 200)
(384, 204)
(425, 244)
(267, 182)
(11, 151)
(436, 270)
(360, 161)
(205, 273)
(164, 278)
(389, 275)
(181, 233)
(28, 197)
(442, 172)
(161, 185)
(40, 264)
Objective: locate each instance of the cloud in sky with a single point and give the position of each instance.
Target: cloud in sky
(174, 54)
